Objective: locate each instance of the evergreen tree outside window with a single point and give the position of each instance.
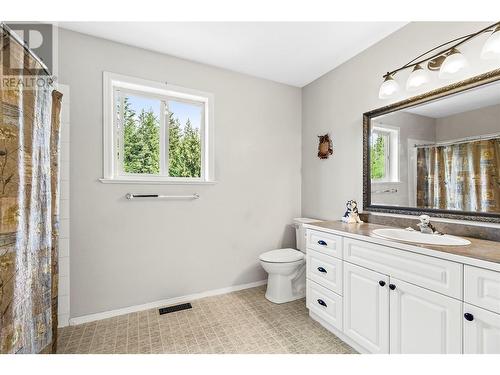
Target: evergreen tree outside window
(158, 135)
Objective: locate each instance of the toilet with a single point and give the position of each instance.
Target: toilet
(286, 268)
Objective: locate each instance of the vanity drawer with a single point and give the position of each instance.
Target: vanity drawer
(325, 270)
(324, 303)
(432, 273)
(326, 243)
(482, 288)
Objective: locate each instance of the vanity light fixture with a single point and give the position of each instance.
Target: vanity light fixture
(491, 48)
(388, 88)
(453, 63)
(418, 77)
(445, 58)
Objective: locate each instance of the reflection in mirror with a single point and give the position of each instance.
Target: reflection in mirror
(443, 154)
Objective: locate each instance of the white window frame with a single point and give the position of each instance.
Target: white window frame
(391, 134)
(112, 136)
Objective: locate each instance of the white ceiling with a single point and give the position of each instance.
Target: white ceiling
(469, 100)
(295, 53)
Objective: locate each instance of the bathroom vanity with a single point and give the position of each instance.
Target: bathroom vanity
(383, 296)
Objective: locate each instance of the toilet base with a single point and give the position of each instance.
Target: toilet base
(282, 289)
(284, 300)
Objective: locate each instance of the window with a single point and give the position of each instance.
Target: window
(156, 133)
(384, 154)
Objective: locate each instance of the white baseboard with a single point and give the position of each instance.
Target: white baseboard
(162, 303)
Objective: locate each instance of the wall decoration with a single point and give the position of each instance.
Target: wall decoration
(325, 146)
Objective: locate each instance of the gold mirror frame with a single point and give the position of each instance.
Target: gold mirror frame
(454, 88)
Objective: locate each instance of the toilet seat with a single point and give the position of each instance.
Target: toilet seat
(282, 256)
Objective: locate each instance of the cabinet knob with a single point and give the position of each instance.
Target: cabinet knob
(381, 283)
(321, 269)
(321, 302)
(322, 243)
(469, 317)
(392, 286)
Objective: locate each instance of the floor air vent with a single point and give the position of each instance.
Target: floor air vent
(170, 309)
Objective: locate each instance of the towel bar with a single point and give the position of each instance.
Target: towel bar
(131, 196)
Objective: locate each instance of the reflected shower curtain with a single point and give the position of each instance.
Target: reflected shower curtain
(29, 175)
(462, 176)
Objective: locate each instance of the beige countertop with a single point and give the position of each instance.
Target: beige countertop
(483, 250)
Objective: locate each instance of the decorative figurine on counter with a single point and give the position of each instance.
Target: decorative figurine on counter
(426, 226)
(351, 215)
(325, 147)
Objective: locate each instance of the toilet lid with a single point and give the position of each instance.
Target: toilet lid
(282, 256)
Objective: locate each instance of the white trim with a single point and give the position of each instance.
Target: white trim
(164, 138)
(155, 181)
(162, 303)
(63, 307)
(162, 90)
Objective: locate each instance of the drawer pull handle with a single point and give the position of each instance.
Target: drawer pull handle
(322, 243)
(321, 269)
(321, 302)
(469, 317)
(381, 283)
(392, 286)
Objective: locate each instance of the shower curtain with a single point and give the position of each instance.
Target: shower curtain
(29, 188)
(463, 176)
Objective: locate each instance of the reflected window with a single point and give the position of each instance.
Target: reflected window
(384, 154)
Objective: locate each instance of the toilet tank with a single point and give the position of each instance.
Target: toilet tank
(300, 231)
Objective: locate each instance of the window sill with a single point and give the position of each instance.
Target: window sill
(154, 181)
(385, 182)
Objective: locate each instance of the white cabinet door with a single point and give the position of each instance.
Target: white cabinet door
(423, 321)
(481, 331)
(482, 288)
(366, 308)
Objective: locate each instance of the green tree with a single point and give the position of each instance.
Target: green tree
(175, 162)
(141, 141)
(184, 152)
(142, 144)
(191, 151)
(377, 157)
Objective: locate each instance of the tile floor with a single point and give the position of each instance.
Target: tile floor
(238, 322)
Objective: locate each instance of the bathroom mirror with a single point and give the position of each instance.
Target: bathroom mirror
(437, 153)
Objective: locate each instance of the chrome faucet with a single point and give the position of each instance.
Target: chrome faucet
(425, 225)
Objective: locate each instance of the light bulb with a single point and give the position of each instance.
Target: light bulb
(417, 78)
(388, 88)
(491, 48)
(453, 63)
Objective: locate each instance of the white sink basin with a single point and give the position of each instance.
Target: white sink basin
(421, 238)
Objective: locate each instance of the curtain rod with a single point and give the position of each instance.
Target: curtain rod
(16, 37)
(461, 140)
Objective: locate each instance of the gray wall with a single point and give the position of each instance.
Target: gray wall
(336, 102)
(467, 124)
(127, 253)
